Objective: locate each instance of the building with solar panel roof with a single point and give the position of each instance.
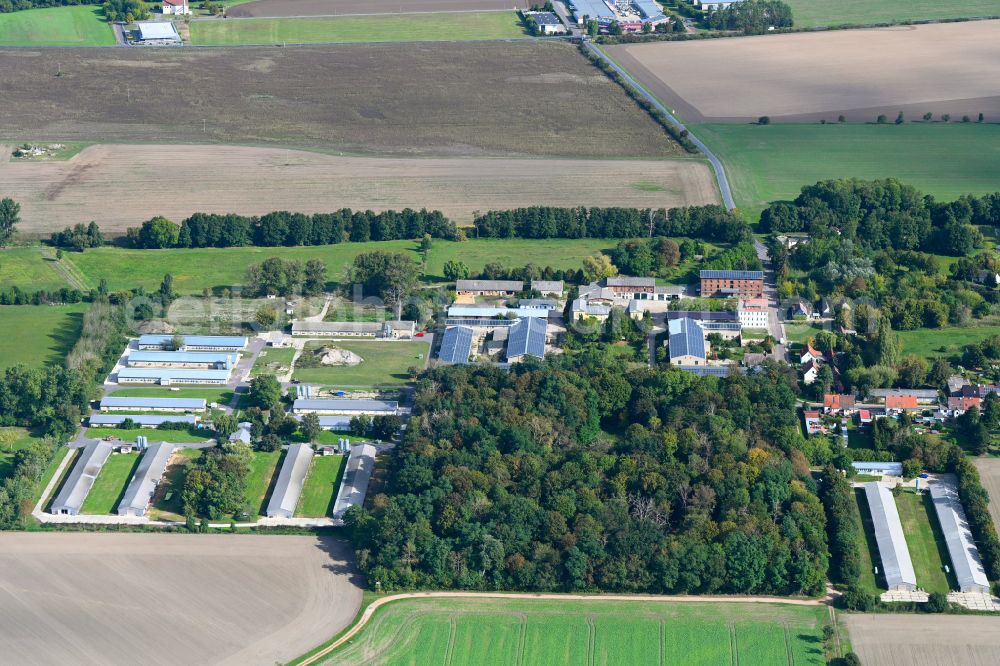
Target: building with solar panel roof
(686, 342)
(526, 338)
(456, 345)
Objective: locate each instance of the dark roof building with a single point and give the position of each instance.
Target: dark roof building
(456, 345)
(686, 342)
(526, 338)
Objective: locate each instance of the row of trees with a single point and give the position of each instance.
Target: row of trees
(712, 223)
(280, 277)
(752, 17)
(283, 228)
(7, 6)
(78, 237)
(504, 480)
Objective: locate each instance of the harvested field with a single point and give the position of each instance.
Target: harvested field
(989, 471)
(188, 599)
(340, 7)
(238, 179)
(943, 68)
(443, 99)
(924, 640)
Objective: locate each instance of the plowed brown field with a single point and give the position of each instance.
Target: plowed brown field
(925, 640)
(122, 185)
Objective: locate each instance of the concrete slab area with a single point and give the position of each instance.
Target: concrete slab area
(71, 598)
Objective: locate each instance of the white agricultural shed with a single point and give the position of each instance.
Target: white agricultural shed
(896, 564)
(354, 486)
(147, 476)
(962, 548)
(878, 468)
(194, 342)
(114, 403)
(293, 472)
(182, 359)
(345, 407)
(341, 423)
(168, 376)
(141, 420)
(81, 478)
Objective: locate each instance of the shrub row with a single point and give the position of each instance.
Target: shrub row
(976, 501)
(842, 527)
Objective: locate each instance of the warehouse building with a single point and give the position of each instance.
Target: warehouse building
(336, 329)
(345, 407)
(292, 476)
(526, 338)
(965, 560)
(169, 376)
(488, 287)
(552, 288)
(742, 284)
(81, 479)
(142, 420)
(354, 485)
(686, 342)
(471, 312)
(456, 345)
(147, 476)
(155, 33)
(896, 564)
(183, 359)
(116, 404)
(193, 342)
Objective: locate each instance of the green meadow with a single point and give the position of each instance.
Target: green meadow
(82, 25)
(38, 335)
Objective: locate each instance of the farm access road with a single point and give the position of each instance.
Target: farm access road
(369, 612)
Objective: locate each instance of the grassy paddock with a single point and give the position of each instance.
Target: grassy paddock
(56, 26)
(271, 357)
(192, 436)
(385, 363)
(320, 489)
(167, 504)
(25, 267)
(496, 631)
(38, 335)
(221, 396)
(930, 341)
(109, 487)
(196, 269)
(924, 540)
(262, 470)
(387, 28)
(869, 546)
(765, 163)
(812, 13)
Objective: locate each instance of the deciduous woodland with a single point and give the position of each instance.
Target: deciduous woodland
(576, 476)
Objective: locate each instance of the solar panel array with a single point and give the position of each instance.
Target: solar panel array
(686, 338)
(733, 275)
(456, 345)
(527, 337)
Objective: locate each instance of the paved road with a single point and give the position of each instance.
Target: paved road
(774, 325)
(720, 172)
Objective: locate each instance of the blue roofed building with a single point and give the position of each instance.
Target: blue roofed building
(168, 376)
(113, 403)
(686, 342)
(456, 345)
(526, 338)
(141, 420)
(182, 359)
(193, 342)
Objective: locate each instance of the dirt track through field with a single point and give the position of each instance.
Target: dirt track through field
(925, 640)
(943, 68)
(122, 186)
(277, 8)
(442, 99)
(72, 598)
(989, 472)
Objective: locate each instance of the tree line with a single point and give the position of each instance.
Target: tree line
(283, 228)
(751, 17)
(507, 480)
(711, 223)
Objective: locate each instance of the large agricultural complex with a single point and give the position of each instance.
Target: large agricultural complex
(470, 331)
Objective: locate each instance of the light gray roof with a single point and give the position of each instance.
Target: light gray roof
(466, 311)
(221, 341)
(81, 478)
(345, 405)
(115, 402)
(965, 560)
(287, 489)
(147, 476)
(892, 468)
(183, 357)
(548, 285)
(157, 30)
(896, 564)
(489, 285)
(99, 420)
(159, 374)
(549, 303)
(366, 327)
(920, 394)
(354, 486)
(626, 281)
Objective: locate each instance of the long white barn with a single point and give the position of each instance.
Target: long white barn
(896, 563)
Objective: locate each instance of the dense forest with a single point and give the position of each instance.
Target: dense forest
(575, 475)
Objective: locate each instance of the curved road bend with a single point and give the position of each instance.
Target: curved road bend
(375, 605)
(720, 172)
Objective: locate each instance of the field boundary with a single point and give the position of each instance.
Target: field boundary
(369, 611)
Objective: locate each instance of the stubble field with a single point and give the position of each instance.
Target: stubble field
(989, 472)
(171, 598)
(924, 640)
(942, 68)
(103, 183)
(444, 99)
(335, 7)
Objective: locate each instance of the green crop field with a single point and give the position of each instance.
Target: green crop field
(319, 492)
(929, 342)
(262, 471)
(106, 493)
(765, 163)
(385, 28)
(384, 364)
(502, 631)
(812, 13)
(194, 436)
(924, 541)
(222, 396)
(25, 267)
(56, 26)
(196, 269)
(38, 335)
(273, 361)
